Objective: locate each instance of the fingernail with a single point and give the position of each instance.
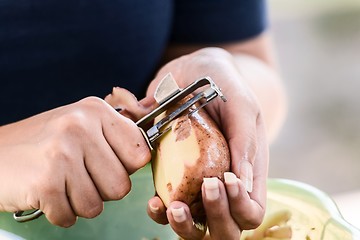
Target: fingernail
(211, 188)
(247, 175)
(178, 214)
(154, 209)
(232, 187)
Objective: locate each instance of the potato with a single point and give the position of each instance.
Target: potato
(193, 149)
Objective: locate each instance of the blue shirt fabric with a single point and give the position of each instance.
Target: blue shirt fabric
(56, 52)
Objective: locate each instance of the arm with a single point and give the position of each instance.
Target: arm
(256, 105)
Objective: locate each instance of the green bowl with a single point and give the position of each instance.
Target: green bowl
(313, 214)
(125, 219)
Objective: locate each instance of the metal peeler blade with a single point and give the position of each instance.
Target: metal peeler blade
(168, 94)
(166, 89)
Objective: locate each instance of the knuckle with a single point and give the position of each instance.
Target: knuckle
(62, 147)
(48, 189)
(95, 209)
(91, 100)
(215, 211)
(60, 221)
(58, 153)
(218, 215)
(68, 223)
(76, 120)
(95, 103)
(213, 53)
(142, 156)
(119, 191)
(72, 122)
(138, 155)
(253, 148)
(249, 222)
(249, 153)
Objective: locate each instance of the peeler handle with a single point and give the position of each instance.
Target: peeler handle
(21, 216)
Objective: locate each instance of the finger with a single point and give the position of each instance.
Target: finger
(157, 210)
(181, 222)
(238, 122)
(83, 196)
(57, 208)
(219, 219)
(243, 147)
(50, 185)
(249, 153)
(240, 130)
(105, 169)
(149, 103)
(247, 212)
(260, 170)
(126, 140)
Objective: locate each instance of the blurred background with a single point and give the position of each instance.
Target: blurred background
(318, 49)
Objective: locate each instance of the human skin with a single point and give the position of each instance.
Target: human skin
(256, 105)
(69, 160)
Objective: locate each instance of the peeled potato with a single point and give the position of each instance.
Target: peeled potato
(193, 149)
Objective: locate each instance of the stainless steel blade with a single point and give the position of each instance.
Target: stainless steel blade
(168, 95)
(166, 89)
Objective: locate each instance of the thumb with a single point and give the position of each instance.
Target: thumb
(157, 210)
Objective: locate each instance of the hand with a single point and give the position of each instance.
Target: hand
(240, 202)
(68, 161)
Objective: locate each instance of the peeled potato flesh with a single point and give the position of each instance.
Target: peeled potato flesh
(193, 149)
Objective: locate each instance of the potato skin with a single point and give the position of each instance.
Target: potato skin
(214, 160)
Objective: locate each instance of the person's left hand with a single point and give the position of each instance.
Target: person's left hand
(239, 203)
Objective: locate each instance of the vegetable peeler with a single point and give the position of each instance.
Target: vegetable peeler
(167, 94)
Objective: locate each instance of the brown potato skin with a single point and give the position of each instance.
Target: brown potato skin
(214, 160)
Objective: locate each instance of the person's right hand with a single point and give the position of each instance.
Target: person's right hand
(69, 160)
